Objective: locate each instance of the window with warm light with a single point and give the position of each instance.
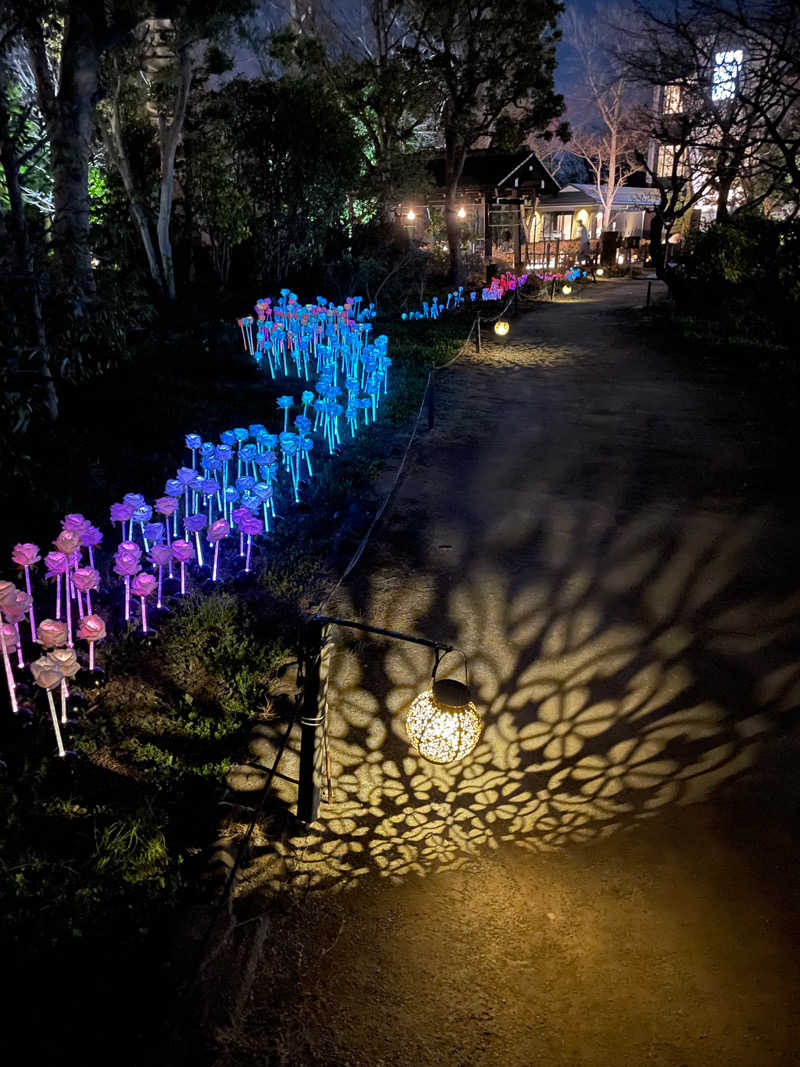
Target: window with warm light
(725, 77)
(669, 163)
(672, 99)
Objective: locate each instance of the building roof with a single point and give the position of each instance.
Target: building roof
(576, 196)
(487, 169)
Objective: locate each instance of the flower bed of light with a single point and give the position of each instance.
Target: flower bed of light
(495, 290)
(222, 503)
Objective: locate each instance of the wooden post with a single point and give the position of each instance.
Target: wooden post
(478, 333)
(649, 287)
(487, 230)
(431, 403)
(312, 722)
(516, 242)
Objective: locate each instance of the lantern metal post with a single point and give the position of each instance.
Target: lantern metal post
(311, 721)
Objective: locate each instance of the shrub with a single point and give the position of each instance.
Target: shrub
(747, 270)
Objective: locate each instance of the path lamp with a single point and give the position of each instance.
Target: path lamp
(443, 722)
(501, 327)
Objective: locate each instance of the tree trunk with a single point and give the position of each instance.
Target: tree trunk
(455, 154)
(656, 247)
(170, 135)
(18, 229)
(611, 180)
(723, 192)
(111, 132)
(69, 125)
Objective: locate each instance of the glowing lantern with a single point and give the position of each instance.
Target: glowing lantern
(443, 723)
(501, 327)
(411, 214)
(462, 213)
(599, 272)
(566, 289)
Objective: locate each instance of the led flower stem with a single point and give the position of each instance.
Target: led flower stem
(8, 642)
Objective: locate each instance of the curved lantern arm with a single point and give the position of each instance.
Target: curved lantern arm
(439, 647)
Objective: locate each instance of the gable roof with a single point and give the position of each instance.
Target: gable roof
(486, 169)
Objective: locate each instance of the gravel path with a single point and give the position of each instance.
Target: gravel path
(607, 878)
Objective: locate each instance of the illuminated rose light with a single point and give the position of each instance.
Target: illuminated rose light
(91, 629)
(85, 579)
(216, 533)
(14, 604)
(26, 555)
(194, 524)
(52, 633)
(57, 565)
(120, 513)
(143, 585)
(193, 442)
(69, 542)
(126, 565)
(183, 553)
(250, 525)
(47, 675)
(67, 663)
(161, 556)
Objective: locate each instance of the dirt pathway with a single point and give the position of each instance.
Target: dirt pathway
(607, 879)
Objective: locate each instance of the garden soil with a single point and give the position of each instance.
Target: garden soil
(604, 526)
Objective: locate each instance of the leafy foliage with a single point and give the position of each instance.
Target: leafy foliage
(748, 268)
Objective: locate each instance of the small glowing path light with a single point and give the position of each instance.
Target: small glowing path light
(501, 327)
(442, 723)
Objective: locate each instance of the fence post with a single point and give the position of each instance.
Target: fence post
(649, 287)
(312, 722)
(431, 401)
(478, 332)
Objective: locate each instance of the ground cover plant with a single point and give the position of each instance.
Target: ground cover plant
(99, 850)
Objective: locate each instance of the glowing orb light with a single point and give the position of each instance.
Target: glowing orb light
(411, 214)
(443, 723)
(501, 327)
(462, 213)
(599, 272)
(566, 289)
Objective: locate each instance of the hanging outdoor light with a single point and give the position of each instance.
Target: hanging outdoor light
(443, 723)
(501, 327)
